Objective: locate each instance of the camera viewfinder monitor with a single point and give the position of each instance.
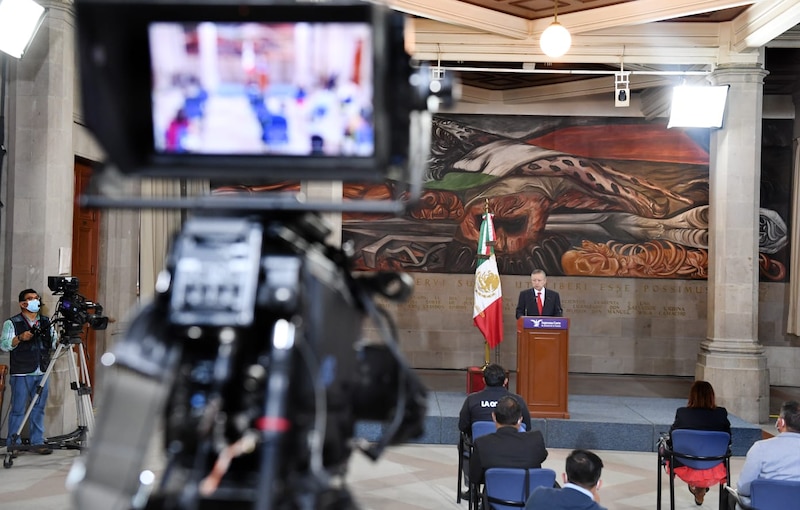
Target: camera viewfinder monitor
(269, 91)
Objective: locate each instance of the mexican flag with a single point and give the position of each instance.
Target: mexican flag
(487, 314)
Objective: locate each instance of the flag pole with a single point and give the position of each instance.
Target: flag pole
(488, 308)
(486, 347)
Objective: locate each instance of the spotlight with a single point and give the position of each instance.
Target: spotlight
(698, 106)
(622, 88)
(19, 21)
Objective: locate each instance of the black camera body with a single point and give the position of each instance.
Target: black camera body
(73, 311)
(63, 284)
(252, 348)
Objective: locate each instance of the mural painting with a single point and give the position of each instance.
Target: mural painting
(575, 196)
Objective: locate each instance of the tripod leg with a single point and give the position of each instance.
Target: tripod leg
(86, 389)
(82, 403)
(10, 442)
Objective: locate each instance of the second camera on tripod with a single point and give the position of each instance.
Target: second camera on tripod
(73, 307)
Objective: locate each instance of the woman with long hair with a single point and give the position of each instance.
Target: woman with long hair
(701, 413)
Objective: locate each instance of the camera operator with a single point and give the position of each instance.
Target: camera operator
(28, 337)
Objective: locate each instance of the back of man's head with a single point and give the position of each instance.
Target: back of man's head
(584, 468)
(790, 412)
(494, 375)
(507, 411)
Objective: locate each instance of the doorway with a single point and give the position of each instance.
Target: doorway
(85, 247)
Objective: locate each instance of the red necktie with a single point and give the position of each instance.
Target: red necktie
(539, 302)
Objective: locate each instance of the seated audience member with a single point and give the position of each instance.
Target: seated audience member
(581, 486)
(507, 447)
(479, 406)
(775, 458)
(701, 413)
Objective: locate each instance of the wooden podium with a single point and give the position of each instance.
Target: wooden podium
(543, 365)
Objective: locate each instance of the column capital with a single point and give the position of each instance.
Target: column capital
(725, 74)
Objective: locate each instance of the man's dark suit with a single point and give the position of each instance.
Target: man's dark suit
(545, 498)
(526, 305)
(506, 448)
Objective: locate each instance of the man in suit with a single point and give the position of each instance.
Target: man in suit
(528, 303)
(581, 489)
(507, 447)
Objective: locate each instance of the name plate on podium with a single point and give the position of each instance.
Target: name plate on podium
(544, 323)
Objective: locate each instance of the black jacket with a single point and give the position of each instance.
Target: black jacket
(26, 356)
(480, 405)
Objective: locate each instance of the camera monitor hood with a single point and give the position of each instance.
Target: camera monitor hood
(259, 91)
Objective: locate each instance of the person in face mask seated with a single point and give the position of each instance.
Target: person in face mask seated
(29, 338)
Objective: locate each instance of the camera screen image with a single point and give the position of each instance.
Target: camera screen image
(250, 88)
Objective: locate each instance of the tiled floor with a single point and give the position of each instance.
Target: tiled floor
(424, 476)
(404, 478)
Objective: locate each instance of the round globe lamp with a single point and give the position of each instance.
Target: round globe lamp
(555, 40)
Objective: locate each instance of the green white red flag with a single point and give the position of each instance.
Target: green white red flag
(487, 313)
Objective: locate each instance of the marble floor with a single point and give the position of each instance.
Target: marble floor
(424, 476)
(404, 478)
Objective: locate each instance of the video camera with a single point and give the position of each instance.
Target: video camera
(73, 310)
(252, 349)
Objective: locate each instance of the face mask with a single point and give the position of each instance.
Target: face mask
(33, 305)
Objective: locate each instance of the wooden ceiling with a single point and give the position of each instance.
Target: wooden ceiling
(643, 36)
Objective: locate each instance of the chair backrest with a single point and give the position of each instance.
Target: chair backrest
(481, 428)
(774, 494)
(709, 447)
(505, 487)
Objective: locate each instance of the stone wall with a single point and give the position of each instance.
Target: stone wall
(617, 326)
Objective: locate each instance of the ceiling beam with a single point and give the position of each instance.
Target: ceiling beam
(635, 12)
(638, 12)
(454, 12)
(763, 22)
(661, 43)
(581, 88)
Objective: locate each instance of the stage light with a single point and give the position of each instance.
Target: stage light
(555, 40)
(622, 88)
(698, 106)
(19, 21)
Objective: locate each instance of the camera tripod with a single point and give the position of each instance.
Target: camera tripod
(79, 382)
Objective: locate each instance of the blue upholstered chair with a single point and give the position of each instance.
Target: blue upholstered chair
(697, 449)
(770, 494)
(479, 428)
(509, 488)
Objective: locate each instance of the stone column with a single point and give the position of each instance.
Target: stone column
(41, 178)
(793, 312)
(731, 358)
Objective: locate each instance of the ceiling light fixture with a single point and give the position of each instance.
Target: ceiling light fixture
(19, 21)
(555, 40)
(698, 106)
